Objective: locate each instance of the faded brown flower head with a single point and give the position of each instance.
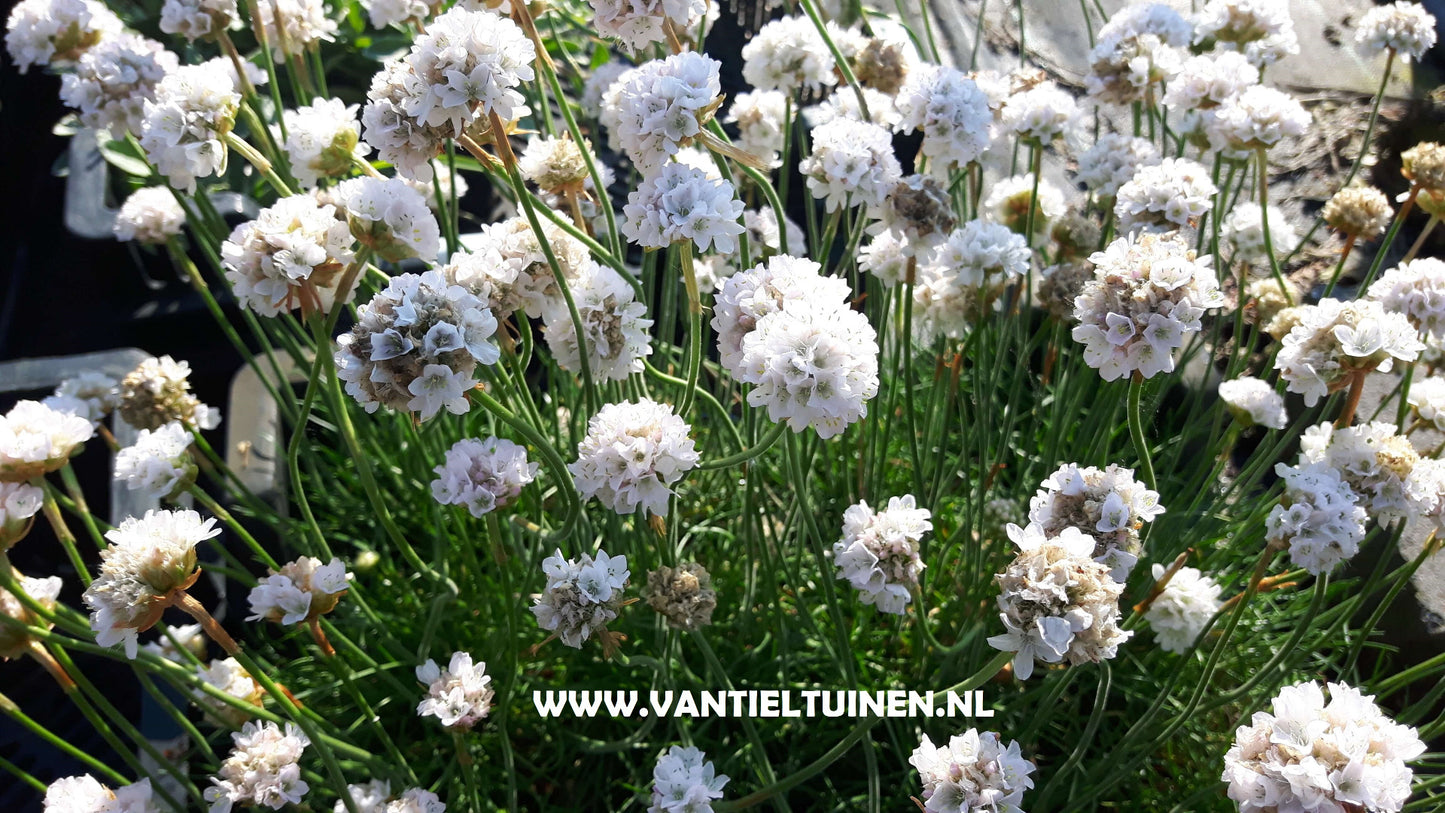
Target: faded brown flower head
(683, 595)
(156, 393)
(1061, 285)
(1424, 166)
(881, 66)
(1075, 237)
(1361, 212)
(920, 206)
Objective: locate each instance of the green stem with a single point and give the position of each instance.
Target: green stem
(1136, 431)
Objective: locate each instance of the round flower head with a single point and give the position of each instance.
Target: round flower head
(1403, 27)
(483, 475)
(292, 25)
(555, 164)
(1148, 293)
(769, 286)
(459, 696)
(884, 61)
(581, 596)
(182, 644)
(766, 235)
(19, 502)
(852, 164)
(759, 118)
(1361, 212)
(599, 81)
(632, 456)
(1108, 505)
(1244, 229)
(159, 463)
(231, 678)
(681, 203)
(1061, 285)
(1417, 290)
(683, 595)
(1180, 613)
(292, 255)
(788, 54)
(416, 800)
(416, 346)
(1312, 755)
(959, 275)
(1254, 402)
(41, 32)
(1112, 161)
(15, 641)
(918, 209)
(952, 113)
(263, 769)
(184, 127)
(878, 554)
(301, 591)
(812, 364)
(96, 395)
(684, 781)
(1209, 80)
(844, 104)
(389, 127)
(975, 771)
(114, 79)
(148, 559)
(1261, 30)
(398, 13)
(322, 140)
(887, 256)
(1164, 196)
(507, 268)
(368, 798)
(150, 215)
(157, 392)
(663, 105)
(35, 439)
(1056, 602)
(390, 217)
(1427, 396)
(1075, 237)
(1334, 341)
(1008, 202)
(638, 23)
(1041, 114)
(1257, 119)
(198, 19)
(1137, 50)
(614, 326)
(83, 794)
(1375, 461)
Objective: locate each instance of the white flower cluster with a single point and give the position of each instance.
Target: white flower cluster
(171, 640)
(467, 64)
(85, 794)
(844, 104)
(1254, 402)
(229, 677)
(679, 203)
(684, 781)
(1318, 518)
(1168, 195)
(952, 113)
(293, 25)
(975, 771)
(15, 641)
(959, 274)
(263, 769)
(1112, 161)
(852, 164)
(1010, 200)
(482, 474)
(1358, 212)
(1258, 118)
(1416, 289)
(1261, 30)
(390, 217)
(614, 326)
(460, 695)
(150, 215)
(114, 79)
(1378, 463)
(759, 118)
(1209, 80)
(878, 554)
(375, 797)
(887, 255)
(157, 392)
(39, 32)
(35, 439)
(416, 346)
(302, 590)
(1148, 293)
(148, 558)
(1040, 114)
(291, 256)
(788, 54)
(557, 165)
(159, 463)
(198, 19)
(1056, 602)
(632, 455)
(182, 132)
(1403, 27)
(507, 268)
(664, 104)
(581, 596)
(638, 23)
(764, 289)
(1107, 504)
(1243, 228)
(1333, 341)
(90, 395)
(1427, 396)
(322, 140)
(1183, 609)
(383, 13)
(18, 503)
(1140, 48)
(1311, 756)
